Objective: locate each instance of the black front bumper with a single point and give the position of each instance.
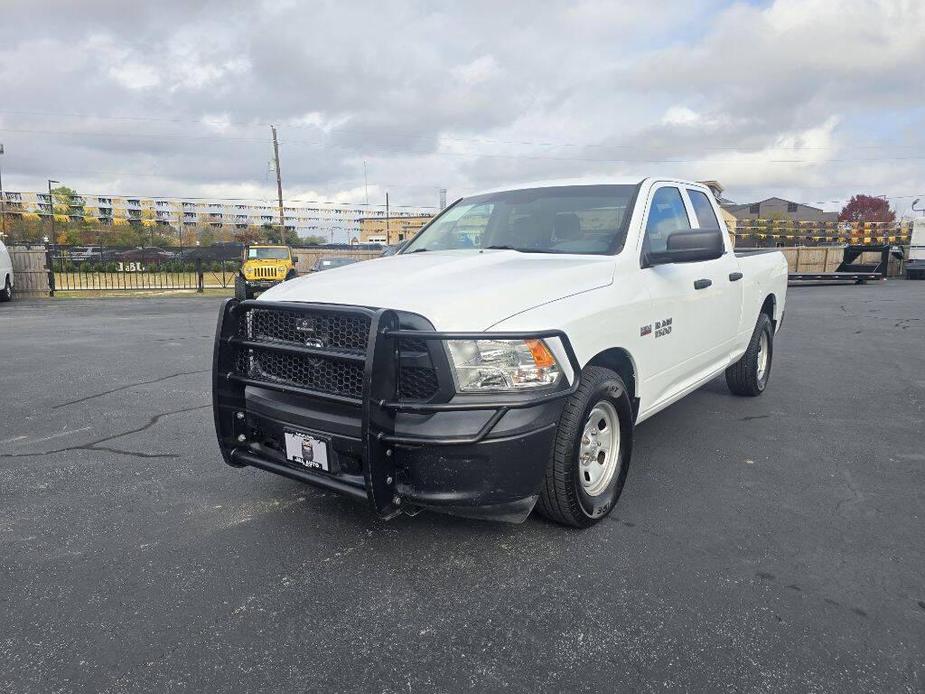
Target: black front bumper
(261, 285)
(475, 456)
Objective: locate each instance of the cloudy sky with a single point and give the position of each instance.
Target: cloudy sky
(813, 100)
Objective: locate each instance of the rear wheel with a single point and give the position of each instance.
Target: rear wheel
(7, 292)
(591, 455)
(749, 376)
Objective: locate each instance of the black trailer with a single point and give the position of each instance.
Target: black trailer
(849, 270)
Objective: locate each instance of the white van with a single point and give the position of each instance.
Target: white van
(915, 263)
(6, 274)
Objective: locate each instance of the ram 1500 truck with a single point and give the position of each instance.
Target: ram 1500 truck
(502, 359)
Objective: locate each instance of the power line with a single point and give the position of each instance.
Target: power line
(338, 204)
(150, 136)
(637, 160)
(415, 133)
(474, 153)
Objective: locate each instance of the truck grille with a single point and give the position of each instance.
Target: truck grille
(265, 272)
(314, 373)
(337, 331)
(415, 383)
(338, 365)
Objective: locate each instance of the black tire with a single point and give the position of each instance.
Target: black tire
(240, 289)
(562, 497)
(291, 275)
(742, 377)
(6, 294)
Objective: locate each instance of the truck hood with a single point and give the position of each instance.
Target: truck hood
(455, 290)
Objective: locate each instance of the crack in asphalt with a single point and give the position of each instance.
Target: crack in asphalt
(130, 385)
(95, 445)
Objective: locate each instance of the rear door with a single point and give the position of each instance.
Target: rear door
(726, 290)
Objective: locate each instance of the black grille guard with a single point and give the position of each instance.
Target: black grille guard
(379, 403)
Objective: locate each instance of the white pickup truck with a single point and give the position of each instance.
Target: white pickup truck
(502, 359)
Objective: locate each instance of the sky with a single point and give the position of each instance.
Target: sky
(811, 100)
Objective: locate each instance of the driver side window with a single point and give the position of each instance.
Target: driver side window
(667, 215)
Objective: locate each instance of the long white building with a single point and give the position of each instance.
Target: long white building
(334, 222)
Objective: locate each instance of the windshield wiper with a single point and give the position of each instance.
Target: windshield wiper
(418, 250)
(519, 250)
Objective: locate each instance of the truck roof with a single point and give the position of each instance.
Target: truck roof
(599, 181)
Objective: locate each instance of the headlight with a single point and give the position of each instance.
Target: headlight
(493, 365)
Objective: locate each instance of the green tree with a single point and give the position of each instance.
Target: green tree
(314, 240)
(290, 237)
(62, 197)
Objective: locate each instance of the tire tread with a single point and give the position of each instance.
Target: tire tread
(557, 502)
(742, 376)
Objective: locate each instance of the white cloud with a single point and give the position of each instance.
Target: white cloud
(817, 98)
(681, 115)
(793, 159)
(135, 76)
(479, 70)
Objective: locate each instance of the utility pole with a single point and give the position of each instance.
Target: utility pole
(279, 186)
(442, 198)
(388, 238)
(2, 202)
(366, 184)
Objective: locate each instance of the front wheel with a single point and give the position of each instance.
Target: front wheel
(749, 376)
(591, 455)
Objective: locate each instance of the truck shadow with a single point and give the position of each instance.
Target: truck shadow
(662, 445)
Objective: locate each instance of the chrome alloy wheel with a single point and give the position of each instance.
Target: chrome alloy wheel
(599, 448)
(762, 356)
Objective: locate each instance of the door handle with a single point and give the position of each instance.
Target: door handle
(735, 276)
(702, 284)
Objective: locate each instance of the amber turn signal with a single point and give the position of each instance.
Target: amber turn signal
(541, 354)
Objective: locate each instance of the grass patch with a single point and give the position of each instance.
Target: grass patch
(134, 293)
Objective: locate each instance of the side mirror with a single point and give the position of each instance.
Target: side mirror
(295, 259)
(688, 247)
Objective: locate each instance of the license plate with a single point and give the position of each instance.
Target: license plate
(307, 451)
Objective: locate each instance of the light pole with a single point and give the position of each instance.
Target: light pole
(54, 244)
(2, 202)
(51, 203)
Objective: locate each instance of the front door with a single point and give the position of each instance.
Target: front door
(693, 312)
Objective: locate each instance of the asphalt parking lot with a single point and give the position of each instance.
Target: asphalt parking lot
(769, 544)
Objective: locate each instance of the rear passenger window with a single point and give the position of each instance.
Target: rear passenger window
(706, 217)
(667, 215)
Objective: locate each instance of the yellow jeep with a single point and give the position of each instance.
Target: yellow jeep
(264, 266)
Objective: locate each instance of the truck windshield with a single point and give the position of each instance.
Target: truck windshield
(566, 219)
(267, 253)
